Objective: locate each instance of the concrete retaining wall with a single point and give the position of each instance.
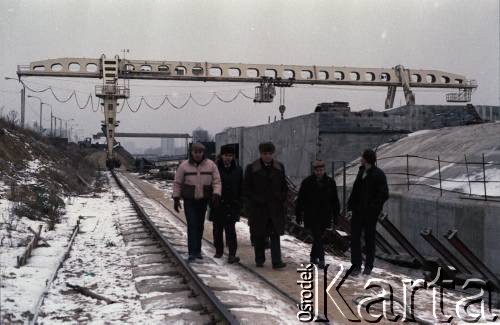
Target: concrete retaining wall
(490, 113)
(477, 222)
(339, 135)
(349, 146)
(295, 141)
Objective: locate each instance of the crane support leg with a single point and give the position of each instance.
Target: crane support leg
(404, 77)
(110, 92)
(110, 105)
(391, 95)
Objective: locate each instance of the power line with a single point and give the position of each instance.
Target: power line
(190, 98)
(90, 99)
(143, 100)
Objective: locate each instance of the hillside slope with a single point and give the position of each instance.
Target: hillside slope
(35, 178)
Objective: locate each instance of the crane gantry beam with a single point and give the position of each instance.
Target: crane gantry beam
(266, 75)
(241, 72)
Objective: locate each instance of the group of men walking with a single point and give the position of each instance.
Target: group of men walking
(261, 192)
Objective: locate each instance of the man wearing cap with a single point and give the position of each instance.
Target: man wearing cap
(227, 213)
(369, 193)
(317, 205)
(265, 191)
(197, 181)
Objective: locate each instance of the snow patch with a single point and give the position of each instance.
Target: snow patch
(419, 132)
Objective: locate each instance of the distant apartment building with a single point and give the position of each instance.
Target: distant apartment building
(167, 146)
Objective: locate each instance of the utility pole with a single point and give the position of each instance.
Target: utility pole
(23, 99)
(41, 108)
(66, 126)
(23, 104)
(70, 136)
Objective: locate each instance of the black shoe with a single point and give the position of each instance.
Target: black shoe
(218, 255)
(191, 258)
(259, 264)
(199, 257)
(279, 265)
(321, 264)
(367, 270)
(233, 259)
(355, 270)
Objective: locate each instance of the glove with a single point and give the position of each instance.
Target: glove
(215, 199)
(177, 204)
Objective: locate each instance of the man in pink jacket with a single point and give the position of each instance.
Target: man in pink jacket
(197, 181)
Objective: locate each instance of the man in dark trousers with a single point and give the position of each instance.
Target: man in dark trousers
(366, 201)
(265, 191)
(197, 181)
(317, 206)
(227, 213)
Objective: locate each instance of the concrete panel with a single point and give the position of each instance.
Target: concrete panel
(348, 146)
(477, 222)
(295, 142)
(470, 225)
(491, 235)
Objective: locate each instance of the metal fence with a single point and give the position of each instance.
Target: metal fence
(341, 168)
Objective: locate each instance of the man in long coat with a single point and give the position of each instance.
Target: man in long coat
(317, 206)
(265, 190)
(227, 213)
(369, 193)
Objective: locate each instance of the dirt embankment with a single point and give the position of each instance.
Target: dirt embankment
(36, 173)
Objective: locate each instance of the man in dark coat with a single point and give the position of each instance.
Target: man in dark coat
(317, 205)
(265, 191)
(227, 213)
(366, 201)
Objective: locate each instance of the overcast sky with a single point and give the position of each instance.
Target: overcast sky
(459, 36)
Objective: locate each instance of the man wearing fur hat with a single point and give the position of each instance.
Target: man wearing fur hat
(369, 193)
(265, 191)
(317, 205)
(227, 213)
(197, 181)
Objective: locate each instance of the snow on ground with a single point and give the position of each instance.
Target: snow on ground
(298, 251)
(22, 287)
(97, 260)
(274, 304)
(419, 132)
(393, 276)
(461, 183)
(33, 166)
(29, 175)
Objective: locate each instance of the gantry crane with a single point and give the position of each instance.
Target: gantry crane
(267, 76)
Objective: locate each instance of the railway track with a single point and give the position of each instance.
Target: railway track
(223, 295)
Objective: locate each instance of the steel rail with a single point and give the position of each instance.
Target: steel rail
(243, 266)
(209, 300)
(45, 292)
